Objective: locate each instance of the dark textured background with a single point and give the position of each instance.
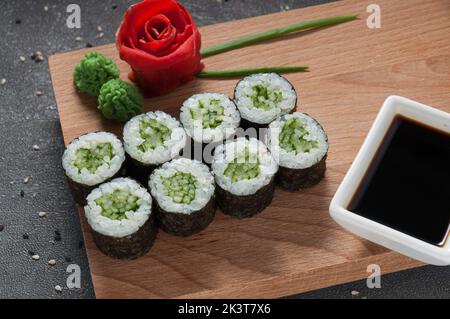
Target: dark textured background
(27, 120)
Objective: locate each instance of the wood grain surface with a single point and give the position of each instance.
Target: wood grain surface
(293, 246)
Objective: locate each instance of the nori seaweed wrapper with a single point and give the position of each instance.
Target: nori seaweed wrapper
(202, 158)
(131, 246)
(247, 205)
(184, 225)
(138, 170)
(81, 191)
(295, 179)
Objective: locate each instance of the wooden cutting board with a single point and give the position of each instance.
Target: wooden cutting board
(293, 246)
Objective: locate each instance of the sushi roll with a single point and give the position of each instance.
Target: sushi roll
(151, 139)
(209, 118)
(300, 145)
(119, 214)
(263, 97)
(244, 171)
(91, 160)
(183, 190)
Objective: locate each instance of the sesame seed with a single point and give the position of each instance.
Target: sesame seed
(52, 262)
(39, 58)
(355, 293)
(3, 81)
(22, 58)
(35, 257)
(36, 147)
(39, 93)
(26, 179)
(42, 214)
(100, 35)
(99, 29)
(37, 55)
(57, 236)
(45, 8)
(58, 288)
(78, 39)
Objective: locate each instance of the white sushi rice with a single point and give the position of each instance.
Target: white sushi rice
(90, 141)
(162, 153)
(204, 185)
(273, 82)
(226, 153)
(134, 219)
(297, 160)
(194, 127)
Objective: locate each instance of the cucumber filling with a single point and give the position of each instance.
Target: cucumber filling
(92, 159)
(114, 205)
(293, 137)
(180, 187)
(211, 115)
(263, 98)
(154, 134)
(244, 166)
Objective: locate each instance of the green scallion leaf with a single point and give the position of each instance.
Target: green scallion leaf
(273, 34)
(245, 72)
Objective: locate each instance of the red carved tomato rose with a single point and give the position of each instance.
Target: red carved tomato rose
(161, 43)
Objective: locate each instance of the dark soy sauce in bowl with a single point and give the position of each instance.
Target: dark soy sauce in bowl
(407, 185)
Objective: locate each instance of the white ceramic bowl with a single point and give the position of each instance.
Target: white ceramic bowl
(369, 229)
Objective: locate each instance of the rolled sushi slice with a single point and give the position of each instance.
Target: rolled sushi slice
(151, 139)
(244, 171)
(209, 118)
(90, 160)
(183, 190)
(119, 214)
(263, 97)
(300, 146)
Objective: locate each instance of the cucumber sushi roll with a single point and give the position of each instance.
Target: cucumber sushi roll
(120, 216)
(244, 171)
(183, 190)
(300, 145)
(209, 118)
(263, 97)
(151, 139)
(90, 160)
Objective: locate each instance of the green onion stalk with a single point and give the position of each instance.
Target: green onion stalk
(266, 36)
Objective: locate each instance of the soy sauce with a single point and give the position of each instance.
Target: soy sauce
(407, 185)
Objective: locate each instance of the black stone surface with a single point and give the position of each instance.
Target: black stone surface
(27, 120)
